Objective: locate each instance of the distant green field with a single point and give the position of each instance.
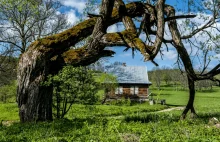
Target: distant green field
(122, 123)
(206, 101)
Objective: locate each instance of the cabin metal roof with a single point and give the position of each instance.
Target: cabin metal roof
(130, 74)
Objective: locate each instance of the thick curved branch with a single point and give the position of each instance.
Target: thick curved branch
(100, 26)
(170, 12)
(82, 57)
(129, 39)
(210, 75)
(216, 80)
(127, 21)
(82, 30)
(94, 50)
(123, 38)
(183, 53)
(160, 28)
(148, 21)
(179, 17)
(60, 43)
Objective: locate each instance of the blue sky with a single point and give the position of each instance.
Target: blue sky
(74, 9)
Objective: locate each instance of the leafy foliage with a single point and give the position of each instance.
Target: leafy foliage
(72, 85)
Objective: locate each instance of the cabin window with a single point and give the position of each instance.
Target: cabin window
(119, 90)
(134, 90)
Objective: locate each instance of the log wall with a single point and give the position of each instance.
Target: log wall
(142, 91)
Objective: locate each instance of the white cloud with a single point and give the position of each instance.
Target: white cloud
(77, 4)
(112, 29)
(72, 18)
(170, 55)
(116, 28)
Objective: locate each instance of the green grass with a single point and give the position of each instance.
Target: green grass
(111, 123)
(205, 102)
(110, 110)
(161, 128)
(9, 111)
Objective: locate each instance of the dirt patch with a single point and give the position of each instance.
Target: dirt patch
(9, 122)
(171, 109)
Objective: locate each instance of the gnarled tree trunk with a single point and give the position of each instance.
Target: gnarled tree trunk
(34, 99)
(48, 55)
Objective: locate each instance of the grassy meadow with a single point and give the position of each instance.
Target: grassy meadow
(126, 122)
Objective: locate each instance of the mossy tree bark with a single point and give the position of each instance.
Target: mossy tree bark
(34, 99)
(48, 55)
(45, 57)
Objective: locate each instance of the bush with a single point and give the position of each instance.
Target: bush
(72, 85)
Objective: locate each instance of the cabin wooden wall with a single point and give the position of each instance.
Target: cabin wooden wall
(142, 91)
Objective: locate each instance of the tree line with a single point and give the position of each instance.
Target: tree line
(177, 79)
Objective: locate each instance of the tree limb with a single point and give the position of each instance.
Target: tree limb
(208, 24)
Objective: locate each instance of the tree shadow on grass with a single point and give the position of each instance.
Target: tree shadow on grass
(166, 94)
(154, 117)
(207, 91)
(168, 117)
(173, 105)
(211, 97)
(207, 116)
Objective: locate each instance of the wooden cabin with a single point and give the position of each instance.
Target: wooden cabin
(133, 82)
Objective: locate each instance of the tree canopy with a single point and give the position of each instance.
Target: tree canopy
(24, 21)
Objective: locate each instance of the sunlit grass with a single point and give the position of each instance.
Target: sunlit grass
(137, 122)
(206, 101)
(9, 111)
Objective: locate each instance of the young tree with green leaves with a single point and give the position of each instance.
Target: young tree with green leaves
(72, 85)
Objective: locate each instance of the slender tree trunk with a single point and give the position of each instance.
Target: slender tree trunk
(190, 103)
